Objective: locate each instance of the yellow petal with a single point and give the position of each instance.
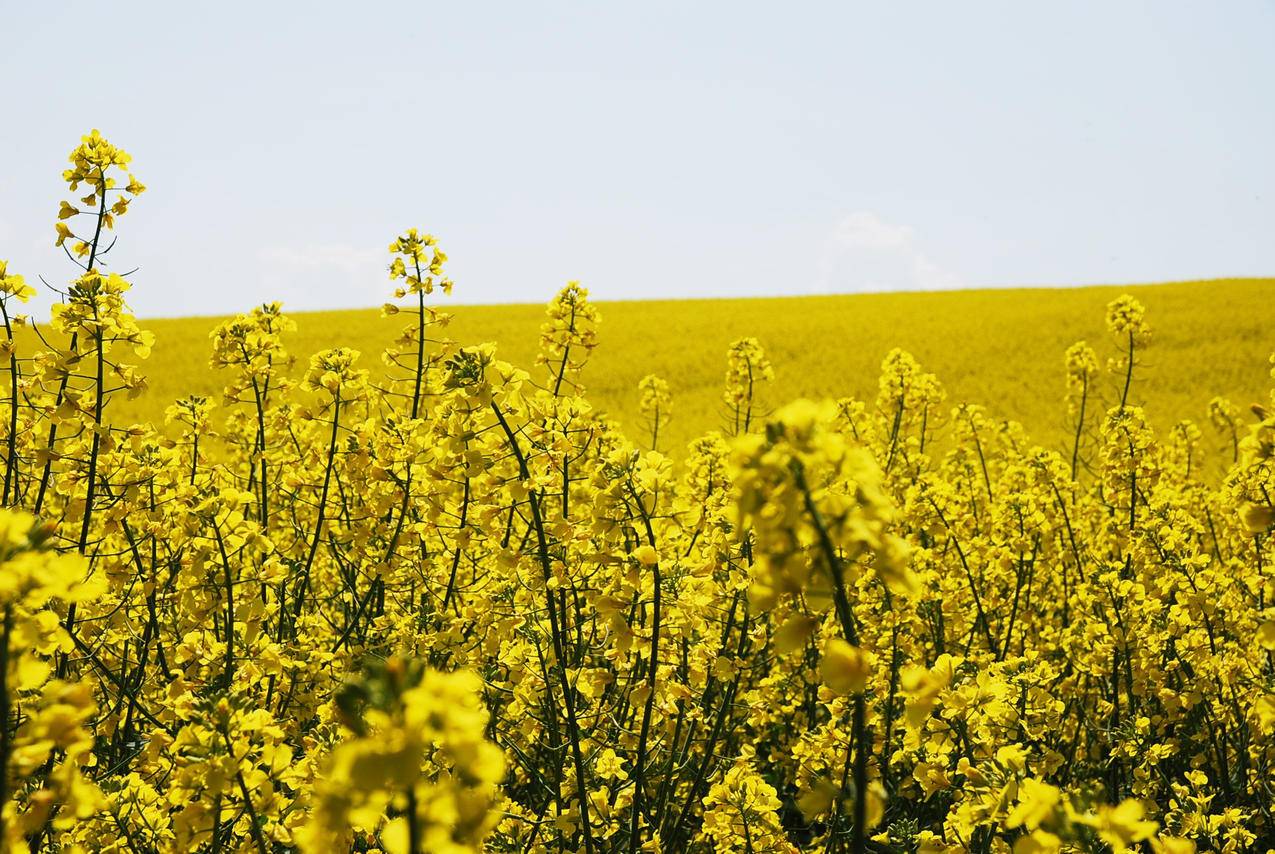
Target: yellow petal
(845, 668)
(794, 633)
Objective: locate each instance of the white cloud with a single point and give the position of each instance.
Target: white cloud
(866, 253)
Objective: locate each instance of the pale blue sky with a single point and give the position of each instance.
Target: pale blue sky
(649, 149)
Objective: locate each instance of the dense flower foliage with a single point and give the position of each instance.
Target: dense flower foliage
(447, 606)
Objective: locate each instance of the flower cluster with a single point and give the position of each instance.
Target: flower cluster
(746, 368)
(654, 405)
(415, 749)
(100, 166)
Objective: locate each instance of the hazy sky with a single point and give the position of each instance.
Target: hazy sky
(650, 149)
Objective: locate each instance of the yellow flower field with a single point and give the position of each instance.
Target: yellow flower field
(999, 348)
(419, 592)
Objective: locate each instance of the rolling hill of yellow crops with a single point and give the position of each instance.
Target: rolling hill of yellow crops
(1001, 348)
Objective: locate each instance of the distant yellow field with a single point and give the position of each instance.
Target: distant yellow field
(1001, 348)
